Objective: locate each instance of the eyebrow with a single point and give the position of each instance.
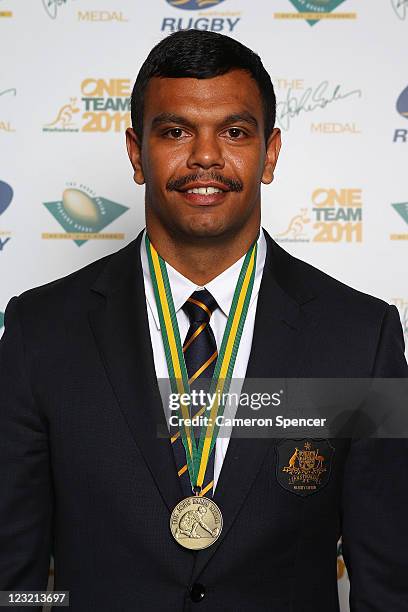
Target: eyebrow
(244, 117)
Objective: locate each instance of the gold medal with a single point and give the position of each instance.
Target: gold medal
(196, 522)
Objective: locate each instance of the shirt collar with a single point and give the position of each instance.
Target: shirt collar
(222, 287)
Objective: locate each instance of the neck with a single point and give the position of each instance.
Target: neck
(203, 259)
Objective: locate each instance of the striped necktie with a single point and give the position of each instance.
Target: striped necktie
(200, 355)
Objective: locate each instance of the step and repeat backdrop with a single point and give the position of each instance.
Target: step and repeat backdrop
(340, 195)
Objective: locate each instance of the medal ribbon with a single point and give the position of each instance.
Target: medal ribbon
(197, 458)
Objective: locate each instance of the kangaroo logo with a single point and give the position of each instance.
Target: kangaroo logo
(296, 225)
(64, 116)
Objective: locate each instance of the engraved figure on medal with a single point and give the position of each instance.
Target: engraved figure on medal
(189, 523)
(196, 522)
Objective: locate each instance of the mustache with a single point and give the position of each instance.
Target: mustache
(179, 183)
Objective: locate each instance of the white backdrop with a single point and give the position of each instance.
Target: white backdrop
(340, 195)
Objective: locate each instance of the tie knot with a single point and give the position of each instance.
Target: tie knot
(200, 306)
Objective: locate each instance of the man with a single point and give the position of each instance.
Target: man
(82, 470)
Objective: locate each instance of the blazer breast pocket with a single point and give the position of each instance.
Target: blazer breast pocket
(303, 466)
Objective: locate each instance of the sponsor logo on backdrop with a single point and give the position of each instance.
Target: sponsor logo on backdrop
(5, 13)
(224, 21)
(103, 105)
(5, 96)
(402, 305)
(314, 11)
(335, 215)
(1, 319)
(194, 5)
(296, 99)
(6, 197)
(83, 215)
(400, 8)
(64, 119)
(52, 8)
(402, 209)
(401, 134)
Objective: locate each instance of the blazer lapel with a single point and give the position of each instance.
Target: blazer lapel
(278, 348)
(121, 330)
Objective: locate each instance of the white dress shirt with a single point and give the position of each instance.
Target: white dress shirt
(222, 287)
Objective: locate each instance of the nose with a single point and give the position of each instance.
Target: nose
(206, 152)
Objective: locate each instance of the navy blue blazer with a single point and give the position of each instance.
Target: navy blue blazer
(83, 473)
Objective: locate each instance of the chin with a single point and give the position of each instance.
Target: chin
(205, 228)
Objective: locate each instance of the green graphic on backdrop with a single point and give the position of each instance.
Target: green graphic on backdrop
(402, 209)
(1, 319)
(81, 211)
(316, 6)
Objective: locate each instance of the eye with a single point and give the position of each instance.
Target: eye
(235, 132)
(176, 133)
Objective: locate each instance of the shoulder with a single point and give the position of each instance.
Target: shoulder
(299, 278)
(346, 321)
(72, 292)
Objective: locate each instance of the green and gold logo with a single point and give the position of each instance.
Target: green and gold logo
(1, 319)
(83, 215)
(402, 209)
(314, 11)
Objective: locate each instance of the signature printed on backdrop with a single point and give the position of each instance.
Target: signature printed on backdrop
(310, 100)
(400, 8)
(52, 7)
(12, 91)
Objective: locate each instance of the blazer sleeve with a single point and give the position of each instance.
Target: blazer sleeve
(375, 500)
(25, 478)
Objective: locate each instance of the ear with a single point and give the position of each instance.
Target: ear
(273, 146)
(135, 155)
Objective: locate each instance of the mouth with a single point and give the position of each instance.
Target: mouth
(204, 194)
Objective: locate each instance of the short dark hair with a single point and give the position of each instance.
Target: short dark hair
(201, 54)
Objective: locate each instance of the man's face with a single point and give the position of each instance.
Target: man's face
(203, 154)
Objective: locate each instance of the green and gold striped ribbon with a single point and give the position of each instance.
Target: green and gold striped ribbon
(197, 457)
